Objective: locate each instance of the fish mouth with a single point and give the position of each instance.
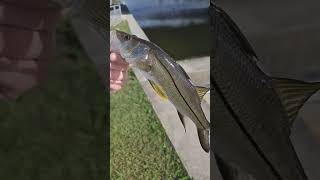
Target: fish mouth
(122, 36)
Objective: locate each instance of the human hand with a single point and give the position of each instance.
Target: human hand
(118, 72)
(27, 36)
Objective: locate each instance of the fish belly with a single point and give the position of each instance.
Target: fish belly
(180, 93)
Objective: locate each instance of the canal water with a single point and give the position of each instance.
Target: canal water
(180, 27)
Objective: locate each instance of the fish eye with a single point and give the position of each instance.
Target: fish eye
(127, 37)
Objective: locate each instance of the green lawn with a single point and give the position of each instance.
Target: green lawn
(140, 148)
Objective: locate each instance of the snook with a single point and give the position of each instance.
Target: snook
(168, 79)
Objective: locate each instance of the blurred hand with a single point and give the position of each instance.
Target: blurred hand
(27, 36)
(118, 72)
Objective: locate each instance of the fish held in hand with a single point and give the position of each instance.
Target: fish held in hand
(168, 79)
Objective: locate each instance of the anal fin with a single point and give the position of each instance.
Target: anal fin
(203, 135)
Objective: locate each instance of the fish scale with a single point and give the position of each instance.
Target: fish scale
(254, 108)
(228, 137)
(164, 79)
(274, 144)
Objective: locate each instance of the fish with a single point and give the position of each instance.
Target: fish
(253, 111)
(168, 79)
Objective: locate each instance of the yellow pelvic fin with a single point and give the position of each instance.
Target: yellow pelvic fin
(159, 90)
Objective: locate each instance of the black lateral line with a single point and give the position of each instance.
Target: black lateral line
(181, 93)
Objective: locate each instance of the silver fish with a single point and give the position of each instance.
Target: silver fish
(168, 79)
(252, 112)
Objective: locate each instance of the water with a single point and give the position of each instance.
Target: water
(168, 13)
(182, 42)
(178, 26)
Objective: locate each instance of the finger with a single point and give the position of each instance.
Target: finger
(116, 58)
(115, 87)
(113, 57)
(119, 67)
(116, 75)
(116, 81)
(119, 61)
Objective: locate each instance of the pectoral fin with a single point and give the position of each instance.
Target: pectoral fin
(201, 91)
(204, 139)
(181, 117)
(293, 94)
(159, 90)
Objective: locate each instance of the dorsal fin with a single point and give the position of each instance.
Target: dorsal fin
(235, 33)
(203, 135)
(159, 90)
(293, 94)
(201, 91)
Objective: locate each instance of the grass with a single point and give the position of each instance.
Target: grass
(140, 148)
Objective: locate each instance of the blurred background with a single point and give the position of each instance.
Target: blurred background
(178, 26)
(54, 131)
(286, 37)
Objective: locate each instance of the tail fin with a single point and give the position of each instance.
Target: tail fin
(204, 139)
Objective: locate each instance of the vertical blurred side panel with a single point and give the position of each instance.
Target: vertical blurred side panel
(214, 171)
(91, 24)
